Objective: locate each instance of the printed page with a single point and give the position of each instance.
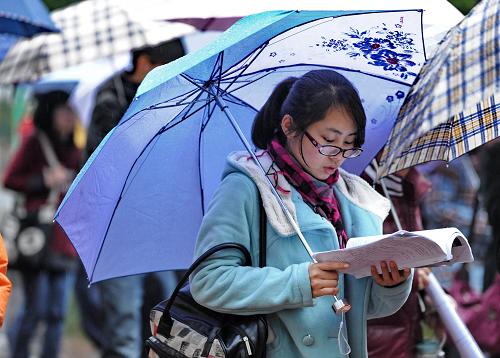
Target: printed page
(407, 249)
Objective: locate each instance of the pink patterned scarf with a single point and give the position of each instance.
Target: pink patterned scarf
(316, 193)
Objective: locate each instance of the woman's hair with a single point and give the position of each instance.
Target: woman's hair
(47, 103)
(307, 100)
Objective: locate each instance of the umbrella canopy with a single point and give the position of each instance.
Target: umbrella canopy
(137, 204)
(90, 30)
(452, 108)
(25, 18)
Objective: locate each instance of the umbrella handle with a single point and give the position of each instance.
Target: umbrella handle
(339, 306)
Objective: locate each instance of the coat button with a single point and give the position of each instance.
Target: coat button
(308, 340)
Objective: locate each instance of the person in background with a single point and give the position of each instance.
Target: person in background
(306, 129)
(46, 291)
(454, 202)
(5, 284)
(122, 298)
(490, 188)
(398, 335)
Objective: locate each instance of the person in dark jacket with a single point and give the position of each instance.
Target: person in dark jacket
(397, 335)
(490, 189)
(46, 291)
(122, 298)
(115, 95)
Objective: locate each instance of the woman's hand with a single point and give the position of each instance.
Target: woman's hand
(56, 177)
(324, 278)
(389, 278)
(423, 277)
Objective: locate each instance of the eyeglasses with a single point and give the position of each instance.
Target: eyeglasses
(333, 150)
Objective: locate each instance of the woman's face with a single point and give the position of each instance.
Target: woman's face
(64, 121)
(336, 128)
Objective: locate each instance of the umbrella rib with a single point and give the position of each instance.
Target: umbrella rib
(246, 83)
(242, 64)
(243, 68)
(184, 117)
(207, 114)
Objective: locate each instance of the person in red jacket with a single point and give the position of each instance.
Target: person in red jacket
(30, 173)
(5, 284)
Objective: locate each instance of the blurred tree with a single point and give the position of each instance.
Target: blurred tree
(464, 5)
(56, 4)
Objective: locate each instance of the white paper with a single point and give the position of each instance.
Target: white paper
(407, 249)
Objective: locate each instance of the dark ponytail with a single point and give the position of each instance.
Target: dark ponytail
(307, 100)
(267, 122)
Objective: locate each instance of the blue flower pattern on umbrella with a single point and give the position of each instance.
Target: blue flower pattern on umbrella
(392, 50)
(393, 61)
(333, 44)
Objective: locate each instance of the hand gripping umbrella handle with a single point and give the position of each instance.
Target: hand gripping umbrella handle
(339, 306)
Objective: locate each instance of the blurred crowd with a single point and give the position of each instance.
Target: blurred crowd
(114, 313)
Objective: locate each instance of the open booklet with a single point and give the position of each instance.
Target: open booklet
(407, 248)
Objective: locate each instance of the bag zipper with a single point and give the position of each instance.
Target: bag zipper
(247, 344)
(245, 340)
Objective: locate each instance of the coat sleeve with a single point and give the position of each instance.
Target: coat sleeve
(222, 283)
(385, 301)
(5, 285)
(19, 174)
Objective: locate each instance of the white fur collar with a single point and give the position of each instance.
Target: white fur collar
(358, 191)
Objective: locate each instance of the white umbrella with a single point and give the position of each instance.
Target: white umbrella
(90, 30)
(82, 81)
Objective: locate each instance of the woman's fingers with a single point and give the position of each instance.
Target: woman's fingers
(328, 291)
(324, 278)
(386, 276)
(390, 275)
(378, 279)
(331, 266)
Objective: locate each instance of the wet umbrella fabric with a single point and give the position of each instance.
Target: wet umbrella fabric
(454, 105)
(137, 204)
(25, 18)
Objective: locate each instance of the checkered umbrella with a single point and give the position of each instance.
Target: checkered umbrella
(90, 30)
(451, 108)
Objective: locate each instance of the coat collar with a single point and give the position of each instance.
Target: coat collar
(356, 190)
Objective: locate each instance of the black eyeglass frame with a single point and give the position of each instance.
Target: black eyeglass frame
(356, 152)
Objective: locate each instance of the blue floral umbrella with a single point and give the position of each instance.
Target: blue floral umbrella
(137, 204)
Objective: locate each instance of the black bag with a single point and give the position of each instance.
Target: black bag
(183, 328)
(26, 240)
(28, 235)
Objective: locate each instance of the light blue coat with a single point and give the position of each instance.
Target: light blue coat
(300, 326)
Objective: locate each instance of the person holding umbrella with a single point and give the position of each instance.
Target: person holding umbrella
(307, 128)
